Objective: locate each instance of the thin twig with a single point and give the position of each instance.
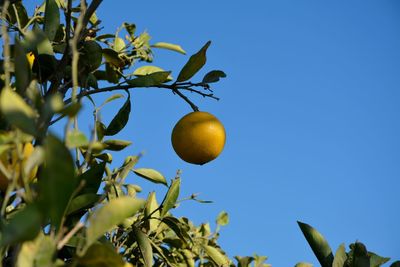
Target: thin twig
(68, 236)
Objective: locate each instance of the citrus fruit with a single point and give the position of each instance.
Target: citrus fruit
(31, 58)
(198, 137)
(9, 159)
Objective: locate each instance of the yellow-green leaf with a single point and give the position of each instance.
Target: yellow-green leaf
(144, 246)
(17, 111)
(151, 175)
(169, 46)
(110, 215)
(171, 196)
(216, 256)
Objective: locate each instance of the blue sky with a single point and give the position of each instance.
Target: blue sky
(311, 110)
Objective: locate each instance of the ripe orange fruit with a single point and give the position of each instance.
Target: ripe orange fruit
(31, 58)
(198, 137)
(9, 159)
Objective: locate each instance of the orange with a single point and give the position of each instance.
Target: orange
(198, 137)
(31, 58)
(9, 159)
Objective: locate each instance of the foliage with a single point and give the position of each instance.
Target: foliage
(76, 210)
(357, 256)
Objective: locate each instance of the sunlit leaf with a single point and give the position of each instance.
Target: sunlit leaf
(39, 252)
(195, 63)
(119, 44)
(223, 218)
(340, 257)
(17, 112)
(151, 210)
(146, 70)
(376, 260)
(173, 47)
(109, 215)
(244, 261)
(110, 99)
(216, 256)
(171, 196)
(175, 225)
(76, 138)
(151, 175)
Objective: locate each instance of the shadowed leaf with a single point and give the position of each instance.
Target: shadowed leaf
(214, 76)
(144, 246)
(51, 19)
(58, 180)
(195, 63)
(25, 225)
(153, 79)
(318, 244)
(120, 120)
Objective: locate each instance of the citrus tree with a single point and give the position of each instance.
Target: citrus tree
(61, 202)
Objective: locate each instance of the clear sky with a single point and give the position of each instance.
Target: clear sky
(311, 109)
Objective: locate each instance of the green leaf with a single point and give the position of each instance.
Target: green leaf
(25, 225)
(119, 44)
(244, 261)
(395, 264)
(213, 76)
(51, 19)
(120, 120)
(39, 252)
(100, 130)
(92, 178)
(91, 55)
(76, 138)
(144, 246)
(318, 244)
(110, 215)
(153, 79)
(101, 255)
(146, 70)
(340, 257)
(130, 28)
(22, 68)
(171, 196)
(151, 175)
(216, 256)
(113, 58)
(223, 218)
(116, 145)
(17, 112)
(151, 210)
(303, 264)
(173, 47)
(72, 109)
(195, 63)
(57, 181)
(376, 260)
(175, 225)
(111, 98)
(83, 201)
